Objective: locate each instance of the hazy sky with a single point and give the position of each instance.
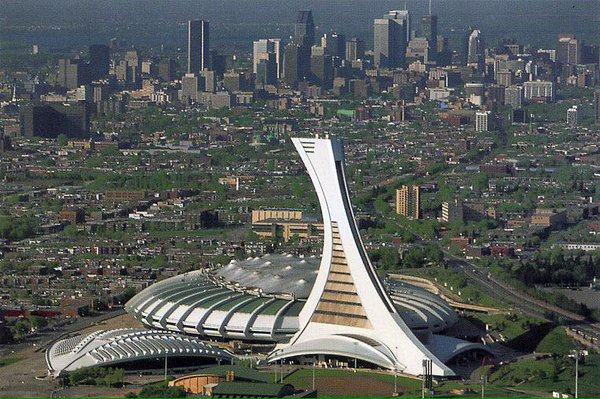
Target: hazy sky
(236, 21)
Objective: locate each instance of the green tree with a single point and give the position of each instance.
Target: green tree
(38, 323)
(62, 140)
(22, 327)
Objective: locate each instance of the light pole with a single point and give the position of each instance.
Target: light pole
(355, 355)
(576, 354)
(165, 366)
(396, 373)
(313, 376)
(483, 382)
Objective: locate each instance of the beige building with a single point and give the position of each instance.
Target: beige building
(553, 218)
(259, 215)
(284, 224)
(408, 202)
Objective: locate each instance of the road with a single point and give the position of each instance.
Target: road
(520, 300)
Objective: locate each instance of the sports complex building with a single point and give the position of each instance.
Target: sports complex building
(311, 309)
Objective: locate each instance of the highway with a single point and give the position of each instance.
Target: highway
(518, 299)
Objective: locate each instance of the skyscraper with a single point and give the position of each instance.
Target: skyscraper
(72, 73)
(304, 29)
(166, 69)
(53, 119)
(99, 61)
(266, 71)
(355, 49)
(334, 44)
(198, 46)
(569, 50)
(296, 63)
(389, 45)
(263, 49)
(408, 202)
(404, 16)
(475, 49)
(191, 85)
(321, 67)
(429, 31)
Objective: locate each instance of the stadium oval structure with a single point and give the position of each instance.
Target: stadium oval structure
(109, 348)
(334, 306)
(260, 299)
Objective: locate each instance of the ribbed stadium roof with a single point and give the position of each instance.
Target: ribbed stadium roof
(274, 274)
(260, 299)
(107, 348)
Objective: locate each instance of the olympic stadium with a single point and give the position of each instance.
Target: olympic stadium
(260, 299)
(328, 308)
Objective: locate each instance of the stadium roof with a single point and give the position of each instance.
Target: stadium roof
(108, 348)
(260, 299)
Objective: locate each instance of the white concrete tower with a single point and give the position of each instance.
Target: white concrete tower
(348, 312)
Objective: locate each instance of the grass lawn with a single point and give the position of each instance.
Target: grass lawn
(347, 383)
(538, 377)
(556, 341)
(520, 332)
(8, 361)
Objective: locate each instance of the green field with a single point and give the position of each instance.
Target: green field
(347, 383)
(541, 377)
(8, 361)
(556, 341)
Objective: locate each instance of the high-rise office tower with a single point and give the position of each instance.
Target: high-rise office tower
(389, 42)
(72, 73)
(418, 49)
(408, 202)
(198, 46)
(191, 86)
(217, 62)
(266, 71)
(429, 31)
(263, 49)
(355, 49)
(569, 50)
(133, 58)
(404, 16)
(296, 63)
(321, 67)
(210, 80)
(597, 105)
(334, 44)
(475, 49)
(166, 70)
(304, 29)
(99, 61)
